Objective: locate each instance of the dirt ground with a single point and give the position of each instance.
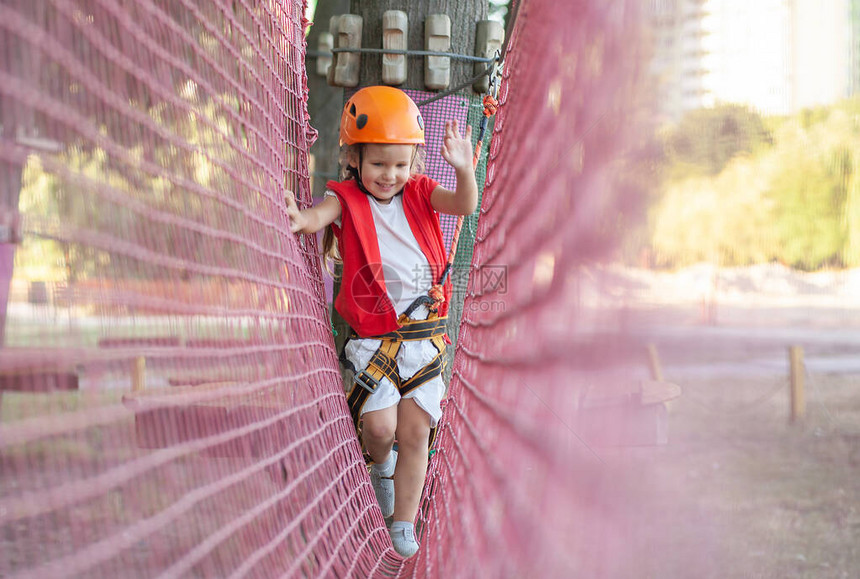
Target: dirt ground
(739, 490)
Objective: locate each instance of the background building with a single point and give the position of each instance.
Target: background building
(677, 59)
(777, 56)
(854, 47)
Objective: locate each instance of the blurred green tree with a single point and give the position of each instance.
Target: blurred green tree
(740, 189)
(707, 139)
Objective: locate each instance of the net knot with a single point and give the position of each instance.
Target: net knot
(437, 294)
(490, 105)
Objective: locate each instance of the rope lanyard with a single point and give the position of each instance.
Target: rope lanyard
(490, 107)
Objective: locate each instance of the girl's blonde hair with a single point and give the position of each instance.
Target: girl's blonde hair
(329, 243)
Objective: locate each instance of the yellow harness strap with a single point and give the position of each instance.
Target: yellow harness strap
(383, 363)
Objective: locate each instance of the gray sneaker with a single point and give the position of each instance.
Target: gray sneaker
(383, 488)
(403, 540)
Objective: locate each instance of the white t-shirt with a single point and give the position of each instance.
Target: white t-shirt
(405, 268)
(407, 276)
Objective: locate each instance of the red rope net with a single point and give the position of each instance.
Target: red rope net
(172, 404)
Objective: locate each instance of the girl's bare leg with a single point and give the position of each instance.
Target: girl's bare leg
(413, 435)
(377, 432)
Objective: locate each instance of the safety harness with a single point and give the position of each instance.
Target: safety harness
(383, 363)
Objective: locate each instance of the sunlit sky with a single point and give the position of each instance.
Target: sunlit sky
(775, 56)
(778, 59)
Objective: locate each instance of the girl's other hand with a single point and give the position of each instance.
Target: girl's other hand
(297, 220)
(457, 149)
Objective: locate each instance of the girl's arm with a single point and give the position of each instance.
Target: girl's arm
(457, 151)
(314, 218)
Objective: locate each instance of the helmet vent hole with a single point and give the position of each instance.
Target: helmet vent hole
(361, 121)
(352, 109)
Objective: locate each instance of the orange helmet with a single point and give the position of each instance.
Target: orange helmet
(381, 114)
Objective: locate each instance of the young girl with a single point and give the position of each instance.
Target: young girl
(384, 216)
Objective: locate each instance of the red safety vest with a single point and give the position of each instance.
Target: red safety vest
(362, 300)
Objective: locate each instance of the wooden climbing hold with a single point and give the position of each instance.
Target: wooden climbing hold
(437, 38)
(394, 37)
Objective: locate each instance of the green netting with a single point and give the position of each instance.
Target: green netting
(466, 245)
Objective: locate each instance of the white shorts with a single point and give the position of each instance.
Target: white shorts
(411, 357)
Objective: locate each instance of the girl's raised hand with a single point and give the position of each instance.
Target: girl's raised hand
(457, 149)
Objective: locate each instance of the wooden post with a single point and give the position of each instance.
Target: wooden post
(138, 374)
(796, 371)
(654, 363)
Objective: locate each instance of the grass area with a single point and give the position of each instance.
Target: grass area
(737, 492)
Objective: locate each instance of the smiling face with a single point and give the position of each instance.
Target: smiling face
(385, 169)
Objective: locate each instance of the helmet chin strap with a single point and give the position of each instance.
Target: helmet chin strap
(360, 184)
(355, 171)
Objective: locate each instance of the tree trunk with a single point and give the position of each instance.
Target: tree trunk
(324, 103)
(463, 13)
(10, 189)
(21, 61)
